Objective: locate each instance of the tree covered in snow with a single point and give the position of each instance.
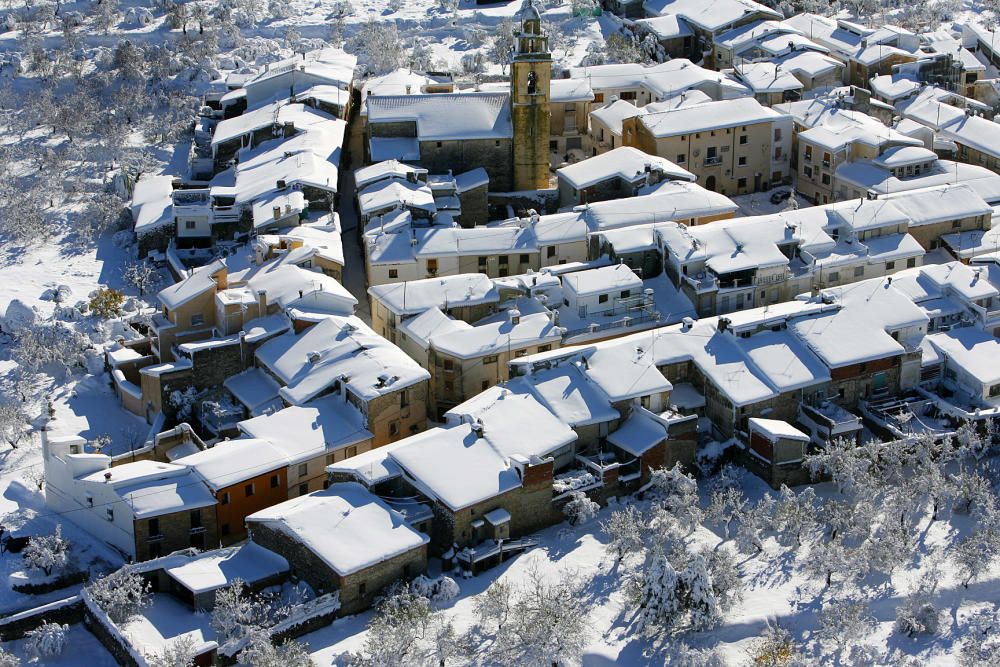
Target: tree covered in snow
(975, 554)
(580, 509)
(503, 44)
(106, 303)
(142, 275)
(440, 589)
(493, 606)
(379, 45)
(47, 553)
(13, 424)
(626, 530)
(660, 609)
(46, 641)
(795, 515)
(395, 630)
(845, 622)
(121, 594)
(981, 639)
(548, 624)
(261, 652)
(917, 615)
(49, 345)
(622, 48)
(698, 596)
(183, 402)
(8, 659)
(178, 653)
(774, 648)
(677, 494)
(237, 613)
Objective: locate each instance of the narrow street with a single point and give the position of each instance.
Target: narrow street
(354, 263)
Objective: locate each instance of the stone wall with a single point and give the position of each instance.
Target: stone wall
(389, 421)
(175, 533)
(475, 210)
(15, 626)
(459, 156)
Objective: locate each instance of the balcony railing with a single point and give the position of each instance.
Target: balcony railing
(709, 161)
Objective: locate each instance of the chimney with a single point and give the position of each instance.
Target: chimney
(687, 323)
(477, 428)
(288, 129)
(408, 89)
(276, 210)
(312, 357)
(723, 323)
(261, 303)
(281, 184)
(514, 315)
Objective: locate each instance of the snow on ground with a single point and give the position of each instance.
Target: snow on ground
(776, 590)
(165, 620)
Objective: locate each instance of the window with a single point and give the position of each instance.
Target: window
(362, 589)
(110, 514)
(393, 428)
(741, 182)
(198, 540)
(448, 364)
(809, 152)
(225, 498)
(553, 146)
(859, 271)
(826, 179)
(889, 266)
(598, 97)
(680, 158)
(492, 359)
(331, 458)
(994, 390)
(911, 262)
(303, 489)
(197, 319)
(496, 143)
(627, 95)
(224, 529)
(449, 386)
(955, 224)
(351, 451)
(504, 259)
(544, 348)
(826, 159)
(303, 469)
(155, 550)
(404, 399)
(154, 527)
(550, 251)
(741, 161)
(482, 261)
(393, 273)
(625, 293)
(743, 139)
(523, 259)
(432, 266)
(195, 518)
(833, 276)
(248, 489)
(274, 483)
(440, 144)
(485, 384)
(808, 171)
(602, 298)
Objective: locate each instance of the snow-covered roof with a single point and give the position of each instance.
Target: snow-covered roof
(613, 114)
(505, 415)
(323, 236)
(416, 296)
(893, 87)
(199, 282)
(279, 114)
(428, 324)
(940, 204)
(953, 123)
(307, 431)
(971, 349)
(638, 434)
(625, 162)
(669, 26)
(330, 65)
(665, 201)
(174, 489)
(456, 466)
(901, 156)
(570, 90)
(775, 429)
(767, 77)
(403, 81)
(287, 284)
(710, 15)
(858, 331)
(569, 394)
(152, 202)
(616, 75)
(970, 282)
(867, 176)
(603, 280)
(395, 193)
(708, 116)
(234, 461)
(282, 202)
(346, 526)
(255, 389)
(385, 170)
(840, 36)
(447, 116)
(474, 178)
(338, 349)
(218, 568)
(497, 333)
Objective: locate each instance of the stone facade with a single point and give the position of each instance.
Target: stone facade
(357, 590)
(398, 414)
(530, 76)
(175, 531)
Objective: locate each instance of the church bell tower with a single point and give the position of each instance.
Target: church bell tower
(530, 73)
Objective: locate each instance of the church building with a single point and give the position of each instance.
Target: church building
(507, 134)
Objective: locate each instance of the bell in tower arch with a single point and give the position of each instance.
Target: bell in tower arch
(532, 83)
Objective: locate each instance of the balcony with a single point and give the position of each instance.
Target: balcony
(712, 161)
(702, 282)
(771, 279)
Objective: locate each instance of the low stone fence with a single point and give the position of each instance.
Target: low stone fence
(68, 611)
